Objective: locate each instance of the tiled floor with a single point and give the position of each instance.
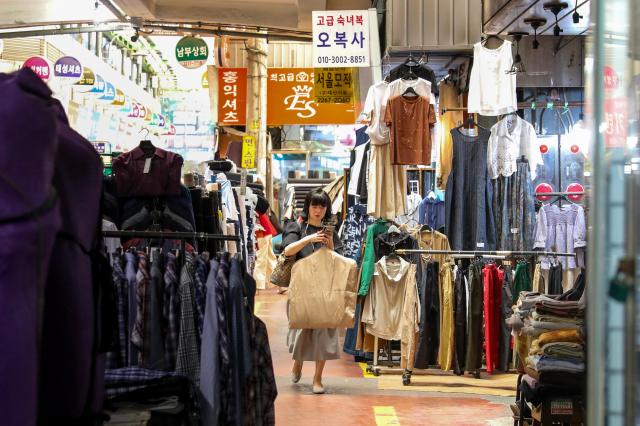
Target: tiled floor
(353, 399)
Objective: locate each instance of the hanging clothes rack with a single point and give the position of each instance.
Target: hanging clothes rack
(529, 105)
(172, 235)
(376, 369)
(505, 253)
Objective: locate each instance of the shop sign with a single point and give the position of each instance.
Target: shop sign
(149, 115)
(88, 77)
(161, 120)
(340, 38)
(232, 96)
(248, 152)
(616, 119)
(109, 92)
(204, 81)
(142, 111)
(119, 99)
(292, 100)
(99, 86)
(68, 67)
(611, 79)
(192, 52)
(102, 147)
(154, 119)
(135, 110)
(40, 66)
(126, 108)
(334, 85)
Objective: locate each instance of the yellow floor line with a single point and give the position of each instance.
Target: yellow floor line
(385, 416)
(363, 367)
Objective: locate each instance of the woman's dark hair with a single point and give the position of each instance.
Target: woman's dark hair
(317, 197)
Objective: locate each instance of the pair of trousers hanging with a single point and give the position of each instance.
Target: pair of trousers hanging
(473, 357)
(492, 280)
(506, 311)
(460, 322)
(429, 292)
(555, 279)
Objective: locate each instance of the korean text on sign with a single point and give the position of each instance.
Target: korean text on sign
(341, 38)
(232, 94)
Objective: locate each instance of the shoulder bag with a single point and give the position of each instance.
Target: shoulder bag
(281, 275)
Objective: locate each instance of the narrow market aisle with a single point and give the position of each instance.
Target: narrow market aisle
(354, 399)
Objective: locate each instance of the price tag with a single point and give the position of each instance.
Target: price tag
(515, 230)
(480, 245)
(243, 182)
(147, 166)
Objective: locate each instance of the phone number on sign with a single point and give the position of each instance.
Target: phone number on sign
(342, 59)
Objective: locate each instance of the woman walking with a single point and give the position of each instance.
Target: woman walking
(301, 239)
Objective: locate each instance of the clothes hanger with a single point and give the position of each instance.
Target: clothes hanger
(410, 93)
(489, 37)
(145, 144)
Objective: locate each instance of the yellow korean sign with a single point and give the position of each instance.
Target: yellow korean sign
(334, 85)
(292, 100)
(248, 152)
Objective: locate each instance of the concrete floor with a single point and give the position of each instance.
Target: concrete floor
(353, 399)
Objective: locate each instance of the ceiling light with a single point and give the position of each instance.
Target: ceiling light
(535, 24)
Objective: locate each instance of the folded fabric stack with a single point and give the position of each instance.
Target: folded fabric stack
(550, 344)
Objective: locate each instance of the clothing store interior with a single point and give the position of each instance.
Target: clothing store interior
(291, 212)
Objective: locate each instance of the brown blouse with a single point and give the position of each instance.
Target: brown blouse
(410, 121)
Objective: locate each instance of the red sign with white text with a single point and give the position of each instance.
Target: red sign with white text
(616, 117)
(232, 96)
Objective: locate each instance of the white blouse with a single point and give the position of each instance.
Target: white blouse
(374, 112)
(508, 143)
(492, 91)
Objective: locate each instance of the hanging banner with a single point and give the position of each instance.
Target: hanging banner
(109, 92)
(248, 152)
(68, 68)
(292, 100)
(232, 96)
(334, 85)
(99, 85)
(340, 38)
(204, 81)
(119, 99)
(192, 52)
(40, 66)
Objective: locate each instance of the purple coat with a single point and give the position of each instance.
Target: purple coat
(48, 319)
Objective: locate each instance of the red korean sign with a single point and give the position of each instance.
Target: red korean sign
(40, 66)
(232, 96)
(616, 119)
(611, 79)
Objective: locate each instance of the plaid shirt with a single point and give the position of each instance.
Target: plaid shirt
(222, 295)
(123, 380)
(200, 293)
(170, 310)
(119, 358)
(188, 360)
(261, 390)
(142, 342)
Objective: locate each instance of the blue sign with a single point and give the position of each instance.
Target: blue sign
(109, 92)
(99, 86)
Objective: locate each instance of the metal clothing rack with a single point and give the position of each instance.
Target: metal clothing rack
(529, 105)
(376, 369)
(171, 235)
(505, 253)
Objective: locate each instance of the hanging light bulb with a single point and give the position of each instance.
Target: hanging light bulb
(518, 65)
(535, 24)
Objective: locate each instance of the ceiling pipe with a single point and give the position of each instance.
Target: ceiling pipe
(61, 30)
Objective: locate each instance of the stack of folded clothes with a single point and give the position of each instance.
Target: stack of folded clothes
(550, 346)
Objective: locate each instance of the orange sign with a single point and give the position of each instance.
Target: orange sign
(291, 100)
(232, 96)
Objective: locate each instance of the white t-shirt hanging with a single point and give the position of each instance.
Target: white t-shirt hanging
(374, 110)
(398, 87)
(492, 90)
(511, 138)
